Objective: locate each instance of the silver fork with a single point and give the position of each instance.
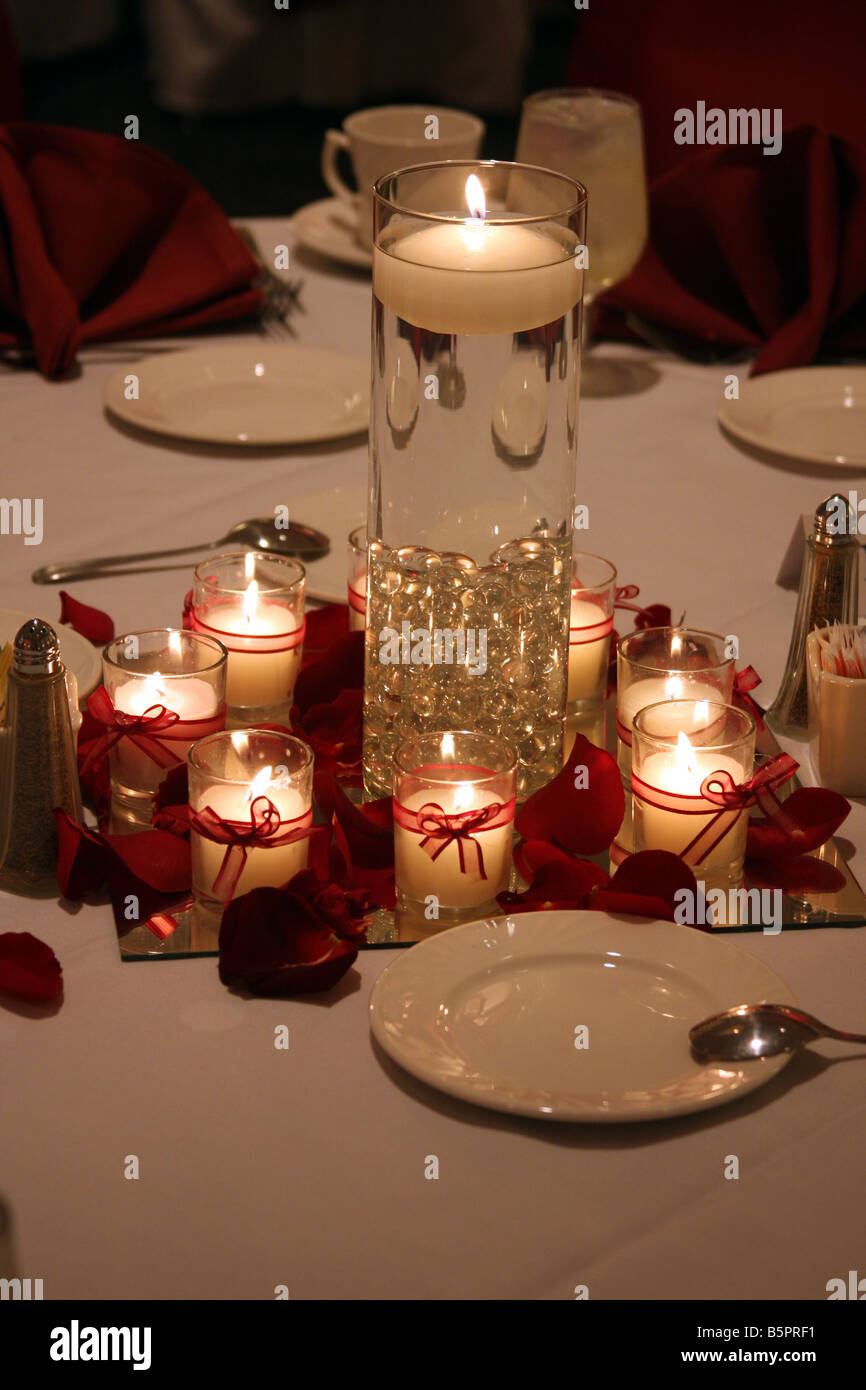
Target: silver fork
(280, 296)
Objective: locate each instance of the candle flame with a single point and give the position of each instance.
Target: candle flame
(475, 200)
(448, 745)
(250, 565)
(685, 753)
(676, 644)
(464, 797)
(174, 643)
(251, 601)
(702, 712)
(261, 780)
(673, 688)
(154, 689)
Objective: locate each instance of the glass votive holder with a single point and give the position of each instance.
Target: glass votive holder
(254, 604)
(593, 589)
(166, 688)
(689, 792)
(357, 591)
(675, 664)
(592, 723)
(454, 801)
(250, 799)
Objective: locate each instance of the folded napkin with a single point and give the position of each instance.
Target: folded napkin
(757, 252)
(106, 238)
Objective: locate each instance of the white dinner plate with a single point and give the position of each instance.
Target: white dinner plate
(489, 1011)
(328, 228)
(245, 393)
(77, 654)
(813, 413)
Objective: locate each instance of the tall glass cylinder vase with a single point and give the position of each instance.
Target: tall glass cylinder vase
(477, 290)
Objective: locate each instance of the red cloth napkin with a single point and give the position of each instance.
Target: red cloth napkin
(106, 238)
(755, 251)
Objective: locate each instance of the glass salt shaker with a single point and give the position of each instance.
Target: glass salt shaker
(37, 760)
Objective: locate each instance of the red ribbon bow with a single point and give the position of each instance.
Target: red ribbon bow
(262, 831)
(440, 829)
(721, 789)
(139, 728)
(744, 681)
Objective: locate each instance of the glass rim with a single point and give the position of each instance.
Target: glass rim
(518, 219)
(196, 638)
(210, 739)
(265, 555)
(622, 98)
(478, 125)
(501, 743)
(356, 545)
(672, 670)
(602, 584)
(671, 740)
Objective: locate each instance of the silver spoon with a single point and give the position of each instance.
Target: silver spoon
(760, 1030)
(261, 533)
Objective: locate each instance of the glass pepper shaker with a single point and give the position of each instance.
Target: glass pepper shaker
(828, 594)
(37, 760)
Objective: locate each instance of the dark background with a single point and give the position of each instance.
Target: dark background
(263, 162)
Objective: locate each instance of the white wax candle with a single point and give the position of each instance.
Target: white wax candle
(682, 773)
(473, 277)
(418, 876)
(188, 697)
(587, 661)
(357, 603)
(265, 866)
(675, 686)
(257, 679)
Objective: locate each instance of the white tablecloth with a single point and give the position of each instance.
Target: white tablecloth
(261, 1167)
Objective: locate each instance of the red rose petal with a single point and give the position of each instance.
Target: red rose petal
(334, 732)
(272, 943)
(134, 902)
(654, 874)
(816, 813)
(92, 623)
(368, 829)
(530, 855)
(28, 968)
(562, 883)
(83, 861)
(325, 628)
(581, 820)
(173, 790)
(156, 857)
(802, 874)
(340, 668)
(656, 615)
(377, 884)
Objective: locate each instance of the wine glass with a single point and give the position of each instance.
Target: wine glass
(597, 138)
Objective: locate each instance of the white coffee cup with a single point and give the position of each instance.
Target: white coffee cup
(384, 138)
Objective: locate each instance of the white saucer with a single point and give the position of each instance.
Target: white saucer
(817, 414)
(249, 393)
(328, 228)
(489, 1011)
(77, 654)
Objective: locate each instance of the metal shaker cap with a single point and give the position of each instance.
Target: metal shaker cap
(836, 522)
(36, 651)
